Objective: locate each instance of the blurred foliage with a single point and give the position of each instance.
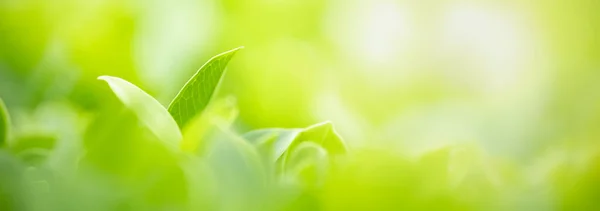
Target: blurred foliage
(442, 105)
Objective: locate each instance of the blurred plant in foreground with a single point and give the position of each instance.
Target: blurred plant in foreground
(138, 155)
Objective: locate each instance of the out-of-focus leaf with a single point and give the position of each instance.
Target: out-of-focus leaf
(34, 141)
(130, 145)
(221, 112)
(201, 183)
(35, 156)
(276, 140)
(286, 140)
(195, 95)
(150, 112)
(325, 135)
(4, 123)
(13, 191)
(32, 149)
(124, 151)
(308, 163)
(229, 140)
(238, 171)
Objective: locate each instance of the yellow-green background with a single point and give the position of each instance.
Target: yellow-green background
(518, 79)
(506, 73)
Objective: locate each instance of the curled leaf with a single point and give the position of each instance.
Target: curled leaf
(308, 163)
(322, 134)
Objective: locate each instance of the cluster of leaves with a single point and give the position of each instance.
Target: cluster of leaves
(140, 155)
(144, 156)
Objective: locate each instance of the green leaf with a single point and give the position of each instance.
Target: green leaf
(286, 140)
(325, 135)
(32, 148)
(239, 173)
(306, 152)
(308, 163)
(276, 140)
(149, 111)
(32, 141)
(195, 95)
(4, 123)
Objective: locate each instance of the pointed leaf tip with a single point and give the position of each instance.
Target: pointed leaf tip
(198, 91)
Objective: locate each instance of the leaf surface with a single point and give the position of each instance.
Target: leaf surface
(195, 95)
(149, 111)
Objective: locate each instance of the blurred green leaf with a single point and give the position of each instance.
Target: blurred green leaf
(33, 149)
(13, 190)
(221, 113)
(325, 135)
(33, 141)
(308, 163)
(238, 171)
(286, 140)
(150, 112)
(276, 140)
(195, 95)
(4, 123)
(121, 150)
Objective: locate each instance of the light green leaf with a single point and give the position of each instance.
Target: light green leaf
(306, 151)
(195, 95)
(325, 135)
(307, 163)
(275, 141)
(239, 173)
(32, 141)
(33, 149)
(4, 123)
(286, 140)
(149, 111)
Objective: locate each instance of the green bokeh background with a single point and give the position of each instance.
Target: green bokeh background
(515, 80)
(508, 73)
